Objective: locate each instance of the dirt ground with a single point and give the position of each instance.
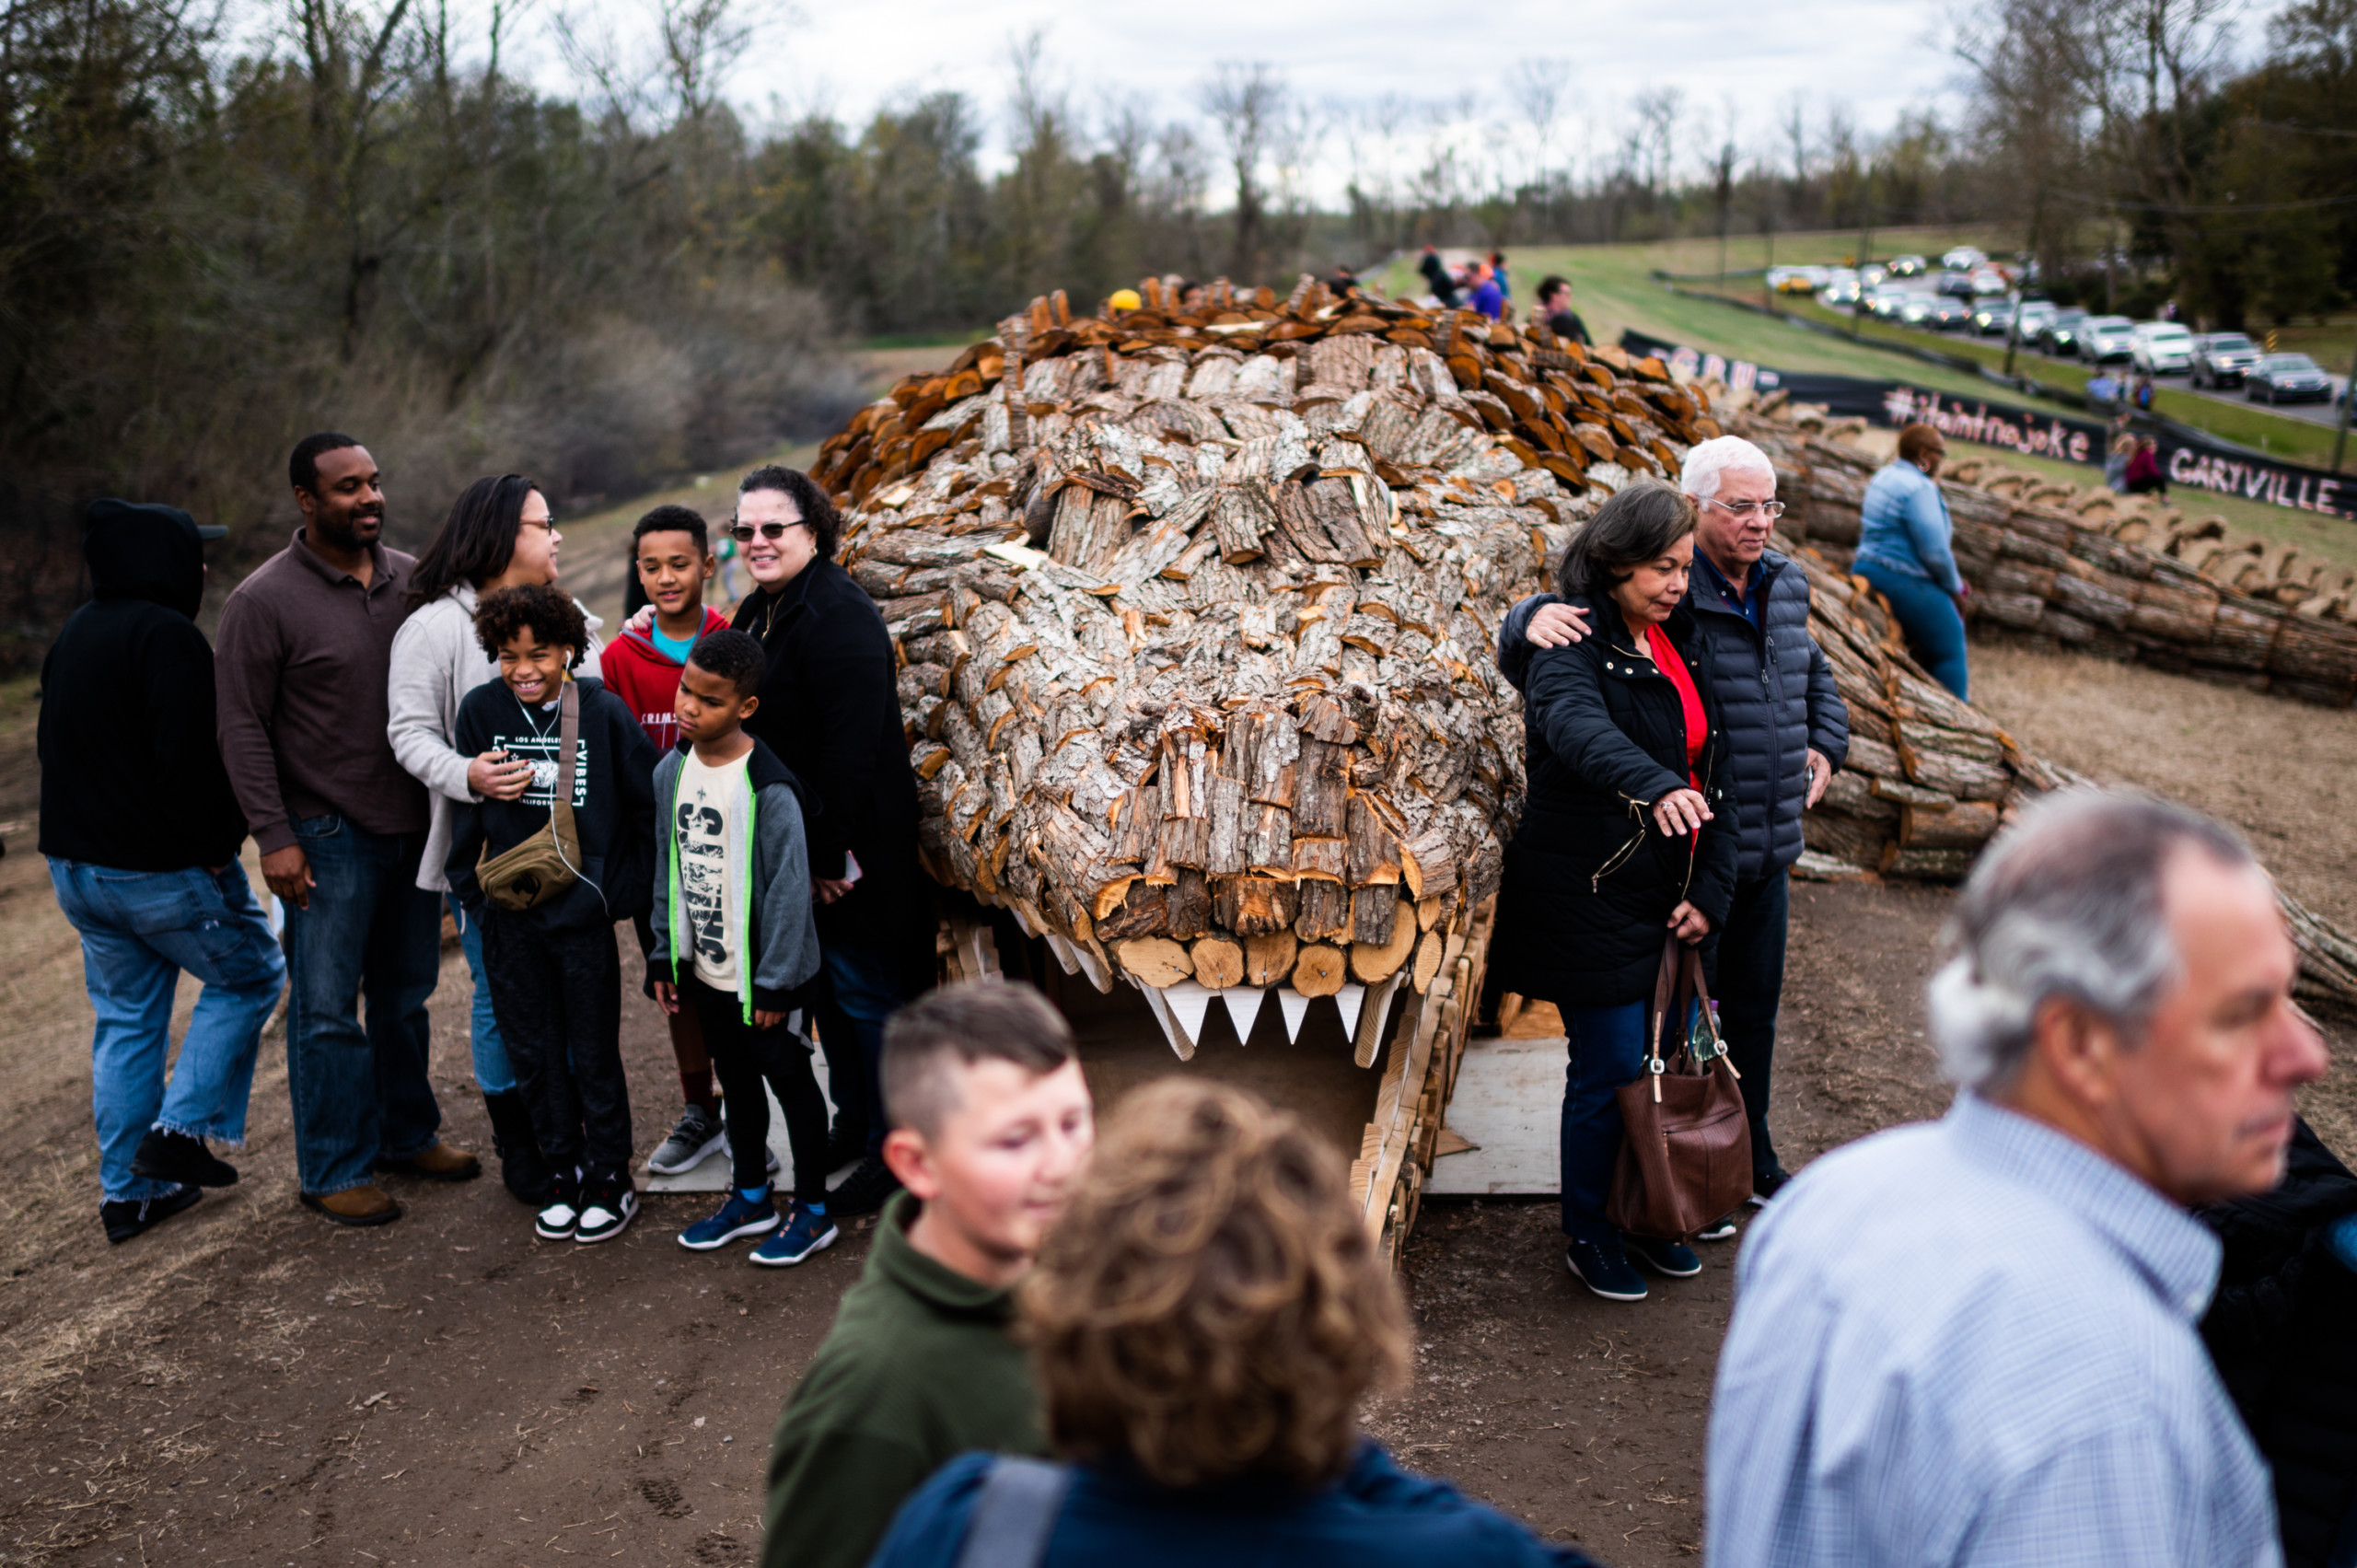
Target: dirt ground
(249, 1385)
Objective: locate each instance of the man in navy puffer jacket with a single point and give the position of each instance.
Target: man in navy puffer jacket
(1787, 728)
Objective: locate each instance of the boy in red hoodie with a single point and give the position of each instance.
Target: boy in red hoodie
(673, 550)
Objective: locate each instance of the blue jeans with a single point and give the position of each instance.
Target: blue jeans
(1934, 627)
(372, 935)
(140, 930)
(494, 1075)
(863, 989)
(1607, 1049)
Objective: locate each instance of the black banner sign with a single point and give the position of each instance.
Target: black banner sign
(2188, 460)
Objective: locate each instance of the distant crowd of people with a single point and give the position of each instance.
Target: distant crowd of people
(1974, 1341)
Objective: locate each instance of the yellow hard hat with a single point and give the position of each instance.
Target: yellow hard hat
(1126, 299)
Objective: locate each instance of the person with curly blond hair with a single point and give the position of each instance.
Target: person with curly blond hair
(1203, 1324)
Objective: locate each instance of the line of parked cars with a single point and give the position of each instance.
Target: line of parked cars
(1973, 296)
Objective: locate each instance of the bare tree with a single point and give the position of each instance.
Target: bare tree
(1540, 89)
(1248, 102)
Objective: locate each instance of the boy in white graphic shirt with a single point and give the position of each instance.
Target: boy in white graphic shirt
(733, 939)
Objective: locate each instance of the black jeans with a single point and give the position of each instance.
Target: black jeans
(1751, 982)
(558, 997)
(747, 1058)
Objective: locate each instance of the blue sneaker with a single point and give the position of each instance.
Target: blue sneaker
(736, 1218)
(1604, 1270)
(802, 1234)
(1672, 1259)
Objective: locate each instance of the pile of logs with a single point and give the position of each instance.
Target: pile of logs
(1929, 779)
(1195, 604)
(2092, 573)
(1195, 610)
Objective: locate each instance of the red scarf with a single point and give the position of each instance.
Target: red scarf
(1667, 659)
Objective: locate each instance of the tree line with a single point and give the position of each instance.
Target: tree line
(2154, 158)
(364, 217)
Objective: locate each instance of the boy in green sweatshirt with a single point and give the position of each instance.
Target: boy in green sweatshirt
(991, 1128)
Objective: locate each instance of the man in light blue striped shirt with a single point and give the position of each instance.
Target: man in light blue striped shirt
(1973, 1342)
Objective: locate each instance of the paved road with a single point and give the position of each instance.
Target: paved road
(2028, 358)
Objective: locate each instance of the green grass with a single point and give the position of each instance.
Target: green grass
(2330, 539)
(2294, 440)
(1613, 289)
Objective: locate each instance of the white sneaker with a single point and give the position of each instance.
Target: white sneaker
(557, 1222)
(606, 1215)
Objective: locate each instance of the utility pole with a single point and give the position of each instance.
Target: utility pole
(2340, 437)
(1865, 247)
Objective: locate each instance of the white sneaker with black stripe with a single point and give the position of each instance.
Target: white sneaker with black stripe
(607, 1211)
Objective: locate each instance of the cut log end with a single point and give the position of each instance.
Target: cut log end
(1320, 970)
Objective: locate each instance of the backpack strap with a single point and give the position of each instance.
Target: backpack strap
(568, 746)
(1016, 1514)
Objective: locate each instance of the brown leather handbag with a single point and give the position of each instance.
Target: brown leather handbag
(1686, 1144)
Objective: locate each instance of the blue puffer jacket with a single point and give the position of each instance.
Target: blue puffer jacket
(1776, 698)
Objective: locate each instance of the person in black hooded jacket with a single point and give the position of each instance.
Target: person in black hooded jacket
(1626, 834)
(142, 835)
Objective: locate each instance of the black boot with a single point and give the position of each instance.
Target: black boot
(521, 1166)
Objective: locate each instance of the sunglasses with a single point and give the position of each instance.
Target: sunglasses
(743, 532)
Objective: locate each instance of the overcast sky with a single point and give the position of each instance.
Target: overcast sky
(1875, 57)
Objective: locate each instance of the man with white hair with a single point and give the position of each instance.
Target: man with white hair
(1787, 731)
(1973, 1341)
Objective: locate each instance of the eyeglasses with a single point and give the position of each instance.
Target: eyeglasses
(743, 532)
(1749, 509)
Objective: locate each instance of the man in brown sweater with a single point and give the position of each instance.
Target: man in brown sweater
(301, 666)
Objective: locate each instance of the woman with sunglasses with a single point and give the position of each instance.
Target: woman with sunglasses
(830, 709)
(499, 534)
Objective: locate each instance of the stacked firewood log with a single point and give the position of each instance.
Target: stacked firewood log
(1195, 608)
(2091, 572)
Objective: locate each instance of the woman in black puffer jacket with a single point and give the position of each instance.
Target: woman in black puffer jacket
(1626, 833)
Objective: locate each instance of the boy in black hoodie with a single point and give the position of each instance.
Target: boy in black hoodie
(555, 980)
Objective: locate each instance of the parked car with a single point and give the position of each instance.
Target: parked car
(2060, 336)
(1839, 289)
(1954, 285)
(1906, 266)
(1963, 259)
(1947, 315)
(1872, 274)
(1988, 282)
(2222, 359)
(2031, 317)
(1791, 280)
(2287, 378)
(2160, 348)
(2103, 339)
(1885, 302)
(1993, 319)
(1915, 310)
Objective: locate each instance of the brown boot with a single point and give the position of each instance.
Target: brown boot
(355, 1206)
(436, 1162)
